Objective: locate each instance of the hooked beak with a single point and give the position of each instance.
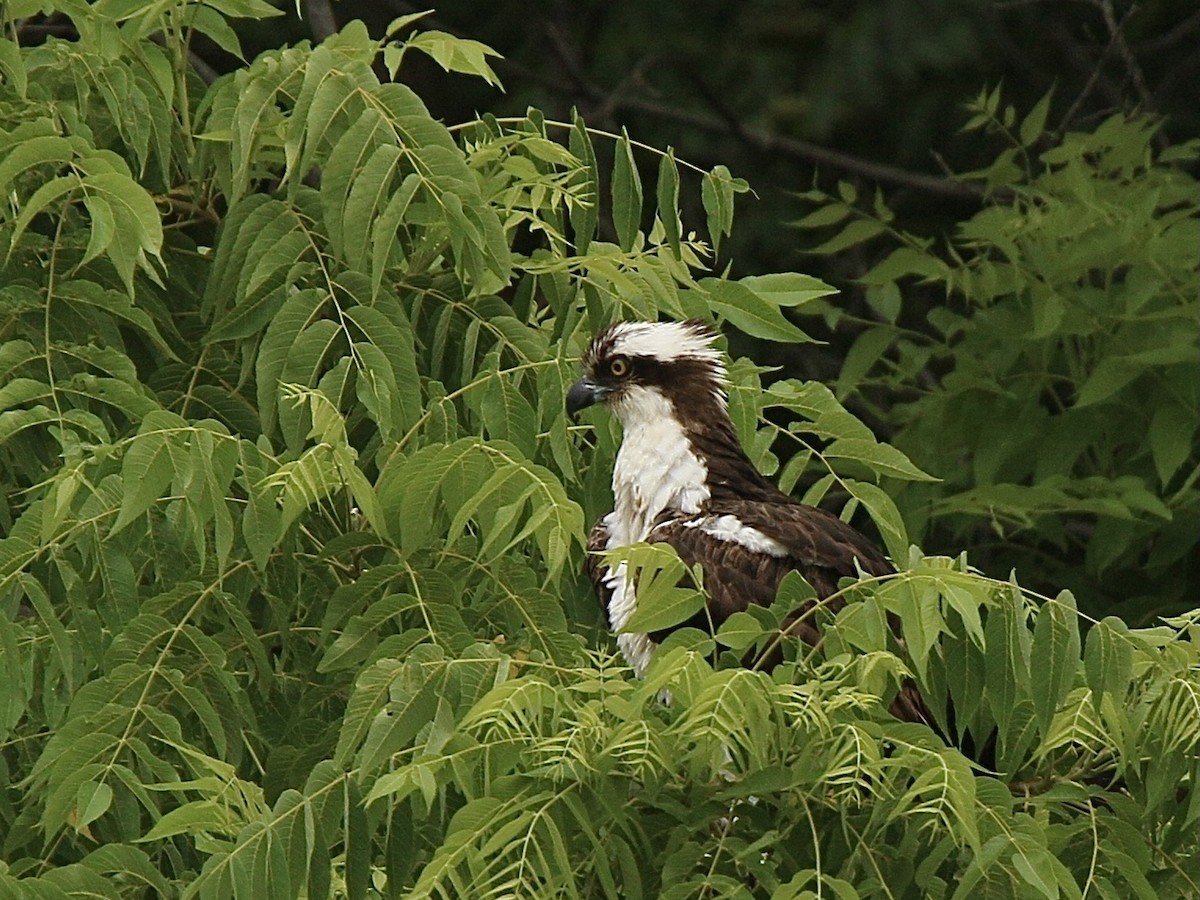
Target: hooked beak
(583, 394)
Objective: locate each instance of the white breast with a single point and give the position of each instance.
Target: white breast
(656, 470)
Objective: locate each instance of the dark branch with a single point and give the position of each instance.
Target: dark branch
(1117, 32)
(1172, 37)
(809, 152)
(728, 125)
(1095, 77)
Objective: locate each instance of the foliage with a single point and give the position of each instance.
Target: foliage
(292, 522)
(1051, 374)
(852, 89)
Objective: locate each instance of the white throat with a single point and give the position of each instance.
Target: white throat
(656, 469)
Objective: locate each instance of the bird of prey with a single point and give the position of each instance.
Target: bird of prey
(682, 478)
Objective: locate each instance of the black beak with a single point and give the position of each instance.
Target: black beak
(583, 394)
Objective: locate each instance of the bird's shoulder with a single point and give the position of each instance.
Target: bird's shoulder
(812, 535)
(781, 534)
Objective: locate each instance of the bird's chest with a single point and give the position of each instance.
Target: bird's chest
(656, 469)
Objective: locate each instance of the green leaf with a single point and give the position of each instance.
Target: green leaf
(656, 571)
(1054, 656)
(863, 625)
(1108, 660)
(137, 226)
(297, 312)
(668, 199)
(626, 194)
(750, 312)
(904, 261)
(857, 232)
(417, 482)
(43, 607)
(151, 462)
(246, 319)
(787, 288)
(1172, 432)
(93, 800)
(399, 23)
(103, 226)
(37, 204)
(867, 350)
(1036, 866)
(245, 9)
(114, 303)
(386, 246)
(1110, 375)
(585, 210)
(919, 608)
(884, 514)
(195, 818)
(13, 68)
(716, 193)
(412, 703)
(508, 416)
(455, 54)
(830, 212)
(209, 22)
(368, 138)
(883, 459)
(31, 146)
(369, 192)
(129, 863)
(1034, 123)
(739, 631)
(1049, 309)
(1007, 654)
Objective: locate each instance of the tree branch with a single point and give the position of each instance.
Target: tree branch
(809, 152)
(1117, 32)
(762, 141)
(1172, 37)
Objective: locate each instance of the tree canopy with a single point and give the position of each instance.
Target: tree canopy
(292, 517)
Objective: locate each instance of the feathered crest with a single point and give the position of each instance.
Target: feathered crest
(662, 341)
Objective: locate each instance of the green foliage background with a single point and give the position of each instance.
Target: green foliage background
(1046, 359)
(292, 520)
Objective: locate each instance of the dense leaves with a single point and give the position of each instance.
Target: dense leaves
(1051, 377)
(292, 520)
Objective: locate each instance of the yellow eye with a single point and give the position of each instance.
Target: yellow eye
(618, 367)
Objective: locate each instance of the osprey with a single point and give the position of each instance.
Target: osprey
(682, 478)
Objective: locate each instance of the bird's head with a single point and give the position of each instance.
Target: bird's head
(645, 369)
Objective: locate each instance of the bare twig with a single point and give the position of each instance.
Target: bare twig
(762, 141)
(1094, 79)
(1116, 31)
(1172, 37)
(811, 153)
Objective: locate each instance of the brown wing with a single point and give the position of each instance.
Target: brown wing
(821, 547)
(734, 576)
